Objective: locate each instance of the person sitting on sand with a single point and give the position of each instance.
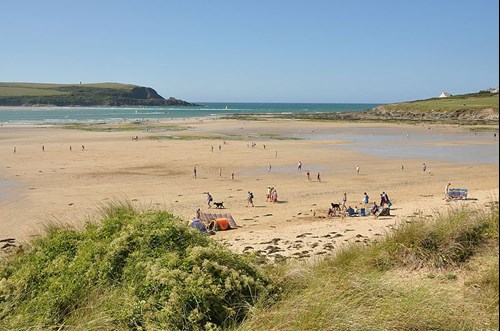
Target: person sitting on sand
(331, 212)
(350, 211)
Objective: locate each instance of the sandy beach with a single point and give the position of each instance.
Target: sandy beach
(44, 181)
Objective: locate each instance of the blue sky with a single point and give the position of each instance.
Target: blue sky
(257, 51)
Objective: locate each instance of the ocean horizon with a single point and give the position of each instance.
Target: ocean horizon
(63, 115)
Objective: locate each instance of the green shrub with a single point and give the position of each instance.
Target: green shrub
(134, 271)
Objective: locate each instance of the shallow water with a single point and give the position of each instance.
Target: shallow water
(460, 148)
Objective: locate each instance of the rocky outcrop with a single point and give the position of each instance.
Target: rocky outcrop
(485, 115)
(140, 92)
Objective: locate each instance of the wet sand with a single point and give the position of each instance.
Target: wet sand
(59, 185)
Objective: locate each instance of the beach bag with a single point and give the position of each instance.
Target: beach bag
(390, 203)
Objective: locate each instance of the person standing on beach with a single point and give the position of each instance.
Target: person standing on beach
(275, 154)
(424, 167)
(14, 150)
(43, 148)
(212, 148)
(83, 148)
(269, 168)
(250, 199)
(220, 172)
(344, 200)
(70, 148)
(299, 166)
(194, 172)
(232, 176)
(318, 177)
(357, 169)
(402, 168)
(366, 200)
(308, 175)
(447, 191)
(209, 200)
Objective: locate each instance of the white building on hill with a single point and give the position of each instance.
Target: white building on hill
(445, 95)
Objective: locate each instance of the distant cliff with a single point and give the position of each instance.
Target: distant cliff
(86, 95)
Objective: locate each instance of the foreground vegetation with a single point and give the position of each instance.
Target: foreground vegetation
(100, 94)
(131, 271)
(148, 271)
(427, 275)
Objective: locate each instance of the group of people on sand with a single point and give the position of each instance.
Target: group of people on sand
(272, 194)
(343, 210)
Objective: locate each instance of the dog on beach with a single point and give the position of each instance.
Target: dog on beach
(336, 206)
(219, 205)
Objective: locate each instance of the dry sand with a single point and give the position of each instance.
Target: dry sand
(59, 185)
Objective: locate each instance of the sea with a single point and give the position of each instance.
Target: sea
(62, 115)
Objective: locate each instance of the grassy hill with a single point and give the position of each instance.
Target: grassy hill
(149, 271)
(99, 94)
(471, 101)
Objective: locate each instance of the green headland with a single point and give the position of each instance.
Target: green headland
(87, 95)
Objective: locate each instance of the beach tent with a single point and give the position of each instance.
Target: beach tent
(224, 221)
(197, 224)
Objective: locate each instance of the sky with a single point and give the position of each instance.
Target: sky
(349, 51)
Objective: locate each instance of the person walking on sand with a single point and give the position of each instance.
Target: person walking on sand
(299, 166)
(14, 150)
(70, 148)
(424, 167)
(357, 169)
(318, 177)
(402, 168)
(308, 175)
(212, 148)
(250, 199)
(232, 176)
(344, 200)
(209, 200)
(194, 172)
(83, 148)
(43, 148)
(269, 168)
(220, 172)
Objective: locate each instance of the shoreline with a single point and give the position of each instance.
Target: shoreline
(62, 185)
